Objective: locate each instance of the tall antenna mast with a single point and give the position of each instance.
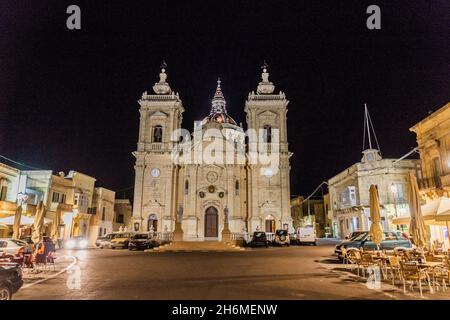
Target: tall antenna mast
(368, 125)
(366, 116)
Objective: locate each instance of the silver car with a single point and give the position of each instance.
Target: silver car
(105, 242)
(10, 246)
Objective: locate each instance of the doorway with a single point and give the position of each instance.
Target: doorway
(270, 224)
(211, 223)
(152, 222)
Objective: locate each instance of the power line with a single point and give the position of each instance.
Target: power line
(19, 163)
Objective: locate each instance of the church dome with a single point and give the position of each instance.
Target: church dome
(218, 111)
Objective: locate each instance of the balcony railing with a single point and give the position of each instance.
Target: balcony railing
(163, 236)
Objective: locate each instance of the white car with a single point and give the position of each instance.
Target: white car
(105, 242)
(76, 243)
(306, 235)
(10, 246)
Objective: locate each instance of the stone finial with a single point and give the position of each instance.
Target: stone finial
(265, 86)
(162, 87)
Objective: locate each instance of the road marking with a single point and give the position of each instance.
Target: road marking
(55, 275)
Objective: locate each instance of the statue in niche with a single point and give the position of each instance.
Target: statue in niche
(180, 213)
(225, 214)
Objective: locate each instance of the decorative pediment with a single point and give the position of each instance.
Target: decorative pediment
(267, 114)
(158, 114)
(153, 204)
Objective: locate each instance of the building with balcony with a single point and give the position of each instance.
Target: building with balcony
(83, 192)
(433, 140)
(56, 193)
(102, 213)
(9, 189)
(349, 192)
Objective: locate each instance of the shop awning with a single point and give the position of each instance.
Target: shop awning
(434, 212)
(443, 213)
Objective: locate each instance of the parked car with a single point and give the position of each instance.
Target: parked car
(389, 241)
(28, 248)
(10, 246)
(10, 280)
(306, 235)
(78, 242)
(293, 239)
(141, 241)
(281, 238)
(259, 239)
(105, 242)
(99, 240)
(121, 240)
(353, 235)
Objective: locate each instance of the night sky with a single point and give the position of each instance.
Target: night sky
(68, 99)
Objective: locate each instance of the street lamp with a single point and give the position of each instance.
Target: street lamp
(394, 191)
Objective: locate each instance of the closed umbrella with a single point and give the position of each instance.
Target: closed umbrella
(417, 224)
(55, 226)
(38, 223)
(376, 230)
(16, 225)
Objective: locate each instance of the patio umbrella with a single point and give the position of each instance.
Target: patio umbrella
(38, 223)
(416, 225)
(376, 230)
(16, 225)
(55, 225)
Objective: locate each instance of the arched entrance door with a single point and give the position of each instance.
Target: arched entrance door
(152, 222)
(270, 224)
(211, 223)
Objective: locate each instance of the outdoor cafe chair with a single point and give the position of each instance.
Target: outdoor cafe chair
(354, 257)
(50, 260)
(441, 276)
(366, 261)
(411, 272)
(394, 266)
(344, 255)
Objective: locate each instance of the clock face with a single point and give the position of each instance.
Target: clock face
(155, 172)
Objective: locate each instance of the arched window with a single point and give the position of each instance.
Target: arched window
(236, 186)
(186, 187)
(267, 136)
(157, 134)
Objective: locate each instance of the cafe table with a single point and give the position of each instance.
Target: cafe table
(382, 261)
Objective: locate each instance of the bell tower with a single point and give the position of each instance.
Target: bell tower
(155, 172)
(268, 171)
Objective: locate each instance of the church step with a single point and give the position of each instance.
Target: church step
(191, 246)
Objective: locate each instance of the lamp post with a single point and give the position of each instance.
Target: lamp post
(394, 193)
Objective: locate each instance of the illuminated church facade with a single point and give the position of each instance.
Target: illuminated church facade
(216, 173)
